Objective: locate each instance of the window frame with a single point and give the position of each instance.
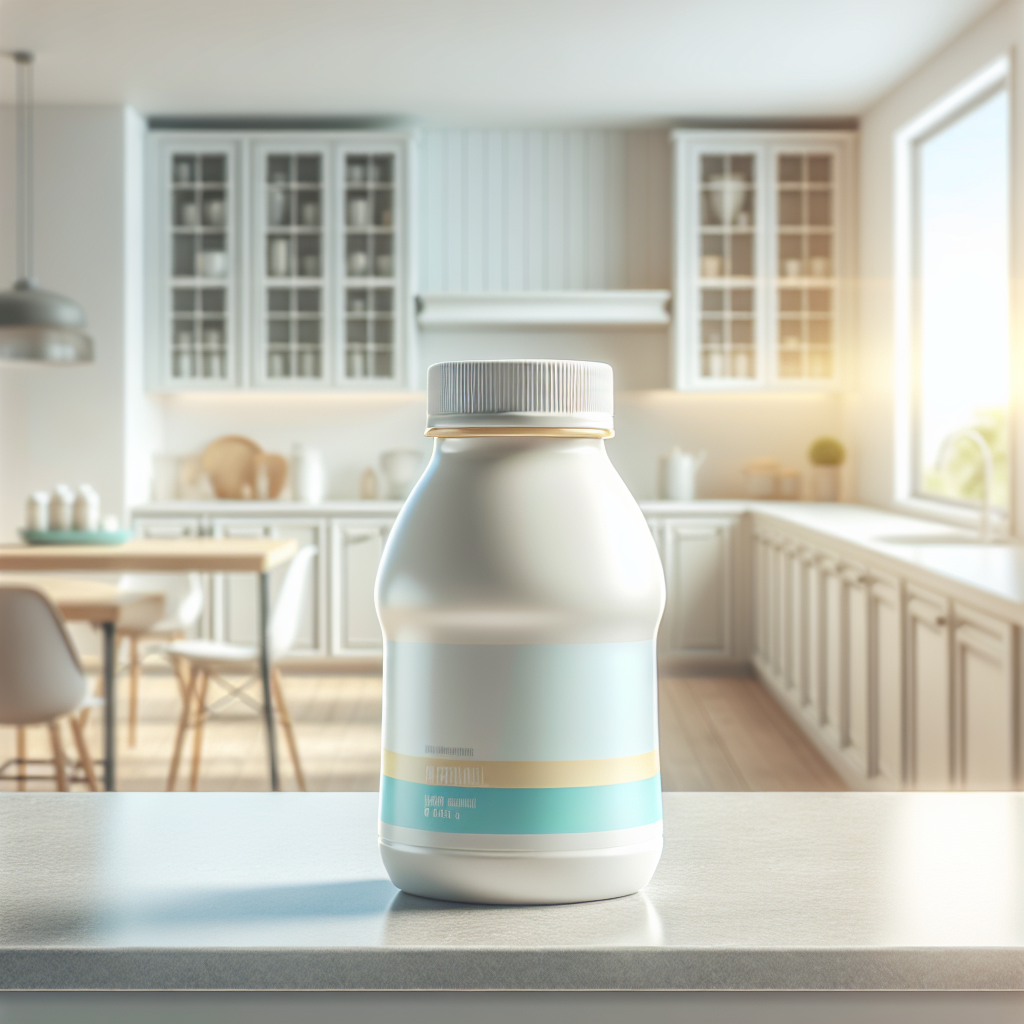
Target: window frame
(961, 102)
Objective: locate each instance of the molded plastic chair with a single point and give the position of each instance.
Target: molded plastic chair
(41, 679)
(183, 605)
(208, 658)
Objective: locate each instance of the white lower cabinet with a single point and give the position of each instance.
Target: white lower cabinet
(698, 553)
(899, 685)
(985, 704)
(356, 549)
(885, 682)
(236, 595)
(929, 690)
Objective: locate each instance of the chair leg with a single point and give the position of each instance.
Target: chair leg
(197, 740)
(133, 689)
(286, 724)
(20, 752)
(58, 757)
(180, 668)
(83, 753)
(183, 721)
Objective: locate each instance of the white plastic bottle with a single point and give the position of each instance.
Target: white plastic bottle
(520, 593)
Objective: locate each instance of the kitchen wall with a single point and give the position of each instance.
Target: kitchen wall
(496, 211)
(80, 423)
(879, 407)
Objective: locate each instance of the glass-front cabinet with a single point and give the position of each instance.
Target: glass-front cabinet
(763, 237)
(199, 231)
(277, 261)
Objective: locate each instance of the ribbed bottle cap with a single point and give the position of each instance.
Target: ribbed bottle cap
(519, 393)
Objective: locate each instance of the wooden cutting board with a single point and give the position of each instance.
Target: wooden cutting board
(276, 468)
(230, 463)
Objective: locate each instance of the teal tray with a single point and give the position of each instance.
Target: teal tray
(76, 536)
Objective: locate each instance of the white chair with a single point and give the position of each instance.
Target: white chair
(207, 659)
(41, 680)
(183, 604)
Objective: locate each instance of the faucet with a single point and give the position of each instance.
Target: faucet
(970, 434)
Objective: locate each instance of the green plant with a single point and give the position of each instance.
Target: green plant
(827, 451)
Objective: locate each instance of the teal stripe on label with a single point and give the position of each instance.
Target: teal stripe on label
(520, 811)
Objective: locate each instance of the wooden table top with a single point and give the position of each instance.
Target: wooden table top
(88, 601)
(201, 554)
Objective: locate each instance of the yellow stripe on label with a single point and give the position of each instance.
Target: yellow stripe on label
(434, 771)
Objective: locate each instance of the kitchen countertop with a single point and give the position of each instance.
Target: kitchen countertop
(769, 891)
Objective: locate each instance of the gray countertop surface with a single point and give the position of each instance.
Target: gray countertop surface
(286, 891)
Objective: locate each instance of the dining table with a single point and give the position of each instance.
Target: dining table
(200, 554)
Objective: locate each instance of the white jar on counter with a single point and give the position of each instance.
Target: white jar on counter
(87, 509)
(519, 594)
(37, 511)
(309, 479)
(62, 508)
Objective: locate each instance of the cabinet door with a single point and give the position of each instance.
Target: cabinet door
(855, 643)
(929, 690)
(236, 595)
(372, 266)
(776, 610)
(698, 571)
(832, 657)
(762, 592)
(886, 698)
(356, 549)
(197, 259)
(985, 704)
(802, 258)
(292, 264)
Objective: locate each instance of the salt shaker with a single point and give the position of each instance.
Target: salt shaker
(87, 509)
(62, 508)
(37, 511)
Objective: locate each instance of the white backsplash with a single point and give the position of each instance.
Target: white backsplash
(353, 430)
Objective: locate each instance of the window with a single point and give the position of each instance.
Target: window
(959, 301)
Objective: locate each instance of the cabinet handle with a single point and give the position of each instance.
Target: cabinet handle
(940, 621)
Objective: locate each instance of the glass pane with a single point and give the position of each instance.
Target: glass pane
(198, 204)
(963, 320)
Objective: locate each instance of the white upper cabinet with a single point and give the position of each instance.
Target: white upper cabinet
(278, 261)
(763, 250)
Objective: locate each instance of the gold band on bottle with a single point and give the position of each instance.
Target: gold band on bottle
(596, 432)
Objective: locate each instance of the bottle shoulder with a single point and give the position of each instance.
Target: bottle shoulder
(547, 544)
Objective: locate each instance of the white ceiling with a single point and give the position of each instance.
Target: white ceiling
(480, 60)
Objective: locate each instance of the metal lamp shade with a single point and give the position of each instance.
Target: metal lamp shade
(38, 326)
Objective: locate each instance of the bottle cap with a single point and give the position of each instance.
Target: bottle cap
(491, 396)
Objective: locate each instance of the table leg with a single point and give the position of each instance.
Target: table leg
(268, 704)
(110, 707)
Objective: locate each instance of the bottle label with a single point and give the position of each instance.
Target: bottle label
(520, 739)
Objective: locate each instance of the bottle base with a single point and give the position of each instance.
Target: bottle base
(519, 876)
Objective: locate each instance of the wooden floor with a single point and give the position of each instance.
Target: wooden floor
(716, 734)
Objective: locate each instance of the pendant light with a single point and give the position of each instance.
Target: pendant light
(36, 326)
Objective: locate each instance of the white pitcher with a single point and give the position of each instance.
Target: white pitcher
(309, 479)
(679, 474)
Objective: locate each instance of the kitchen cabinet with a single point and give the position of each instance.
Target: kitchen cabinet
(278, 261)
(236, 595)
(899, 685)
(699, 556)
(356, 549)
(929, 690)
(763, 243)
(885, 680)
(984, 702)
(337, 618)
